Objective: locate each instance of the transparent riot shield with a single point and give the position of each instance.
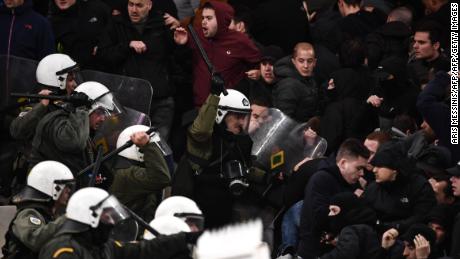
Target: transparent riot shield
(107, 134)
(279, 142)
(131, 92)
(16, 75)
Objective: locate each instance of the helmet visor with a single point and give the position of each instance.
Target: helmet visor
(194, 221)
(238, 122)
(113, 211)
(107, 105)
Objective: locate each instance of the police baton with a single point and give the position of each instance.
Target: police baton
(215, 77)
(141, 221)
(97, 165)
(41, 96)
(112, 153)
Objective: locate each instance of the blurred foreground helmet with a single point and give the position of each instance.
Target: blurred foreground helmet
(52, 71)
(50, 178)
(133, 151)
(234, 101)
(242, 241)
(166, 225)
(93, 205)
(183, 208)
(101, 96)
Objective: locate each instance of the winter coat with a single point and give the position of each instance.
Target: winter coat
(231, 53)
(436, 111)
(152, 65)
(78, 30)
(402, 202)
(25, 33)
(314, 220)
(418, 71)
(357, 242)
(295, 95)
(392, 39)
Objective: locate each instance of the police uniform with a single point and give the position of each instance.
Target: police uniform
(32, 226)
(138, 185)
(70, 243)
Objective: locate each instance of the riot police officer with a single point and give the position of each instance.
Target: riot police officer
(141, 172)
(49, 186)
(215, 141)
(90, 216)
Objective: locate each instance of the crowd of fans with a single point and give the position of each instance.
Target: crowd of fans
(370, 77)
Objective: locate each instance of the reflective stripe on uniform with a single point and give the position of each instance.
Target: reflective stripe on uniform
(62, 250)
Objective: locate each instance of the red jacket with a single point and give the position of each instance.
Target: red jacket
(231, 53)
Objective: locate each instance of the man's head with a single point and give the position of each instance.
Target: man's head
(454, 172)
(413, 235)
(57, 71)
(138, 10)
(374, 140)
(352, 159)
(427, 41)
(53, 179)
(389, 161)
(234, 110)
(103, 102)
(428, 132)
(442, 189)
(303, 58)
(270, 55)
(352, 53)
(432, 6)
(242, 20)
(439, 220)
(13, 3)
(347, 7)
(209, 22)
(259, 112)
(400, 14)
(64, 4)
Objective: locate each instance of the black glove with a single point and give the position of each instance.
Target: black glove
(217, 84)
(79, 99)
(192, 237)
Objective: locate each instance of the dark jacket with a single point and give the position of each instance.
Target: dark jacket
(455, 245)
(232, 53)
(25, 33)
(79, 245)
(63, 137)
(295, 95)
(418, 71)
(357, 242)
(78, 29)
(314, 220)
(435, 109)
(392, 39)
(152, 65)
(402, 202)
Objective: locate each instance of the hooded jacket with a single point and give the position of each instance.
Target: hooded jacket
(231, 53)
(295, 95)
(25, 33)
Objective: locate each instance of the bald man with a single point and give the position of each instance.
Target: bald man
(296, 93)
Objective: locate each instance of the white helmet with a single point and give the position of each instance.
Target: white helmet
(133, 151)
(100, 94)
(50, 178)
(88, 204)
(183, 208)
(234, 101)
(242, 241)
(53, 70)
(166, 225)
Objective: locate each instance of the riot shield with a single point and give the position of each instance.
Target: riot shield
(279, 142)
(7, 214)
(16, 75)
(107, 134)
(131, 92)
